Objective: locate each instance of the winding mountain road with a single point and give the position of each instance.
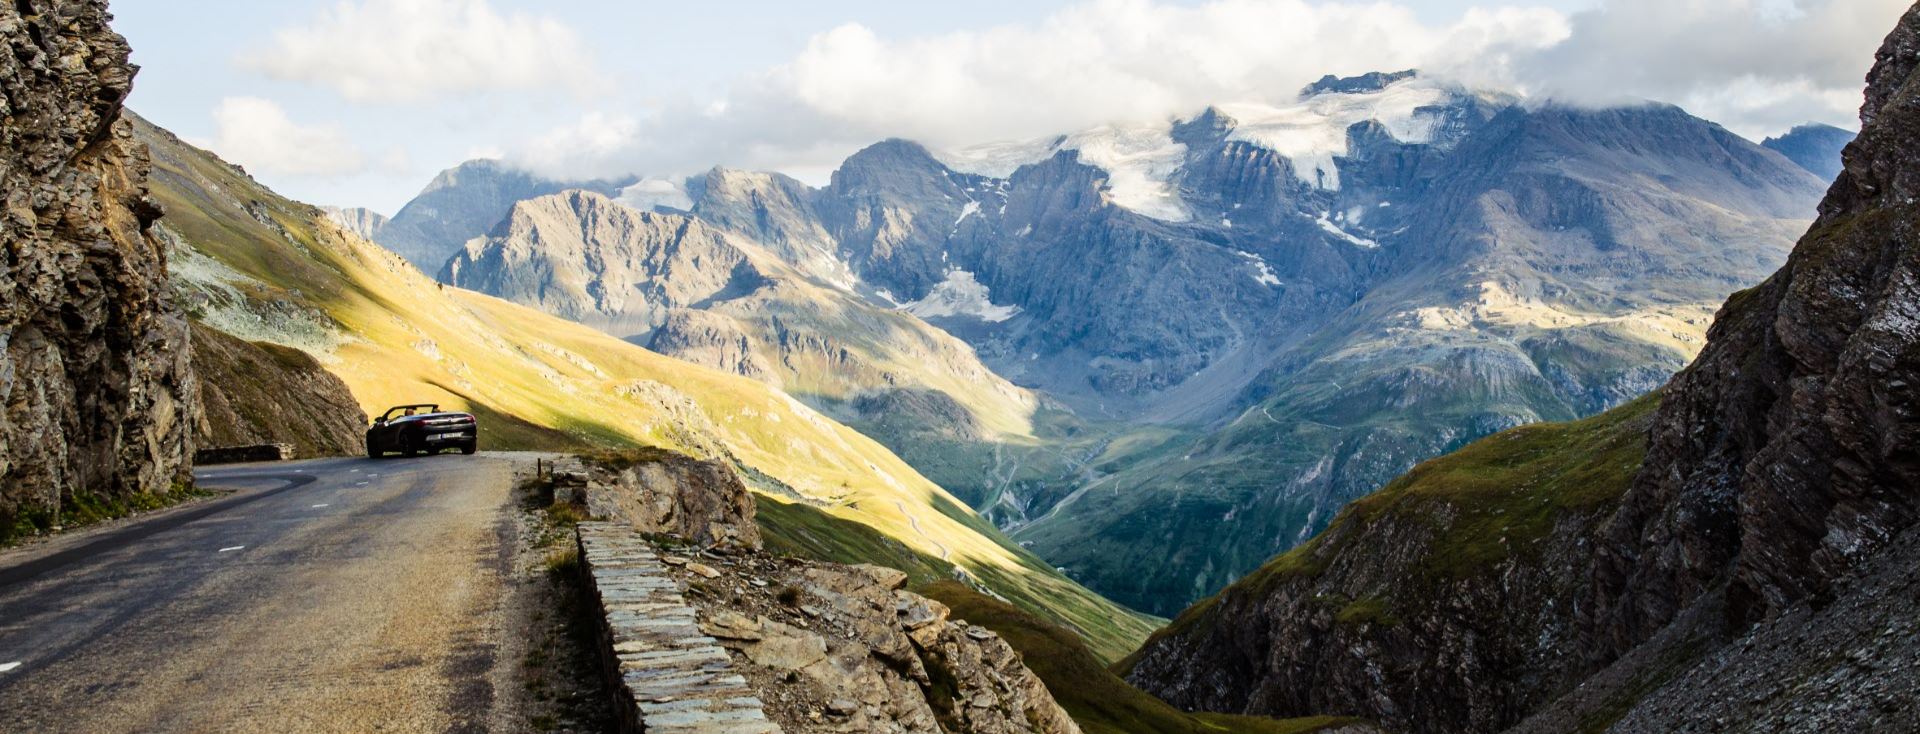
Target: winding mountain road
(326, 595)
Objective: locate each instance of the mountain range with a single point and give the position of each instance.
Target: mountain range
(1735, 552)
(1159, 355)
(257, 267)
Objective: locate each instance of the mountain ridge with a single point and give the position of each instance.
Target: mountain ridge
(1274, 309)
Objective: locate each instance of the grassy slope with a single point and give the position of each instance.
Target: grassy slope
(1495, 498)
(398, 337)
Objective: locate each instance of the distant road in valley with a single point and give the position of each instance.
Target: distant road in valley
(325, 595)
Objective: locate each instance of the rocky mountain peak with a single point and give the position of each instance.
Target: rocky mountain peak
(358, 220)
(466, 201)
(584, 256)
(893, 166)
(1372, 81)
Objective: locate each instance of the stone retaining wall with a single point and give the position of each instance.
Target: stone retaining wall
(235, 454)
(665, 675)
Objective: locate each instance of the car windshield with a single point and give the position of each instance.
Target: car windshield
(407, 411)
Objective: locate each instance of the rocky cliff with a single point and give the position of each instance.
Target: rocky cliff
(581, 256)
(1694, 545)
(97, 394)
(358, 220)
(1783, 456)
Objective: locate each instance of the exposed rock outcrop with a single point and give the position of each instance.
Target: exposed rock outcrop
(358, 220)
(1785, 454)
(1675, 567)
(663, 492)
(258, 393)
(581, 256)
(823, 647)
(466, 201)
(97, 398)
(833, 648)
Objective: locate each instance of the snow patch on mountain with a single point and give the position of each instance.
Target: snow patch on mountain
(999, 160)
(1312, 131)
(1140, 162)
(960, 295)
(1262, 272)
(1335, 230)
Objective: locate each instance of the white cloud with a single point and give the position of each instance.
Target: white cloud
(1101, 62)
(649, 193)
(1757, 66)
(257, 134)
(410, 50)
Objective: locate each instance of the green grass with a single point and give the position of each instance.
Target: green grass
(621, 459)
(1099, 701)
(1371, 610)
(1504, 492)
(803, 531)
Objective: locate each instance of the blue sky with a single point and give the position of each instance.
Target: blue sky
(360, 102)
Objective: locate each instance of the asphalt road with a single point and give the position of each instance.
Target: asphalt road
(326, 595)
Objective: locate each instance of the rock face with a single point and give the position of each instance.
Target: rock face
(256, 393)
(832, 648)
(1813, 146)
(1783, 456)
(583, 257)
(464, 202)
(99, 399)
(687, 288)
(358, 220)
(823, 647)
(668, 493)
(1668, 566)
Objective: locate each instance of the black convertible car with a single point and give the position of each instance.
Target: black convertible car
(414, 429)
